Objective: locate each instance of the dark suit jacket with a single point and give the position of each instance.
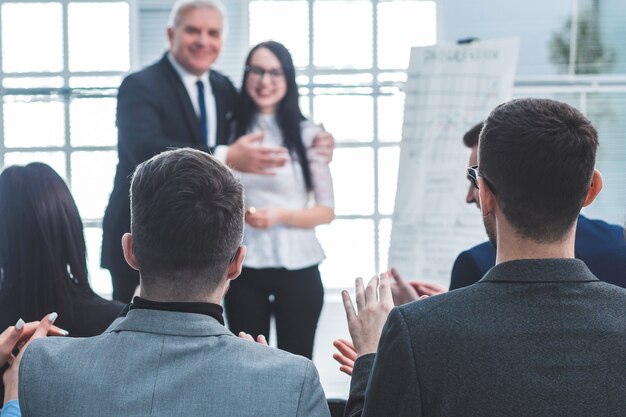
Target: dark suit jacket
(155, 113)
(599, 244)
(532, 338)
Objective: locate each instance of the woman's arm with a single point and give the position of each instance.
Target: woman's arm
(322, 212)
(306, 218)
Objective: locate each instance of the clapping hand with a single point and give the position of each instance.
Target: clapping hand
(406, 291)
(373, 304)
(19, 337)
(346, 356)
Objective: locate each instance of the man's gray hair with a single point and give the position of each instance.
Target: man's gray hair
(182, 6)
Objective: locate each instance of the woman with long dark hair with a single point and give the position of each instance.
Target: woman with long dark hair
(280, 277)
(43, 265)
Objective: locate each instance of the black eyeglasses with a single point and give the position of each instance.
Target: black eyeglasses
(473, 173)
(259, 72)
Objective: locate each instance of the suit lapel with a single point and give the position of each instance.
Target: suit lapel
(221, 118)
(184, 101)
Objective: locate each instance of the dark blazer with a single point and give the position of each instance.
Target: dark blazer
(598, 244)
(532, 338)
(155, 113)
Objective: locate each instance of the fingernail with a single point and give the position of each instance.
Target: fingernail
(52, 317)
(19, 325)
(63, 331)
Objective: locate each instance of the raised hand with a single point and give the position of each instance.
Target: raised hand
(373, 304)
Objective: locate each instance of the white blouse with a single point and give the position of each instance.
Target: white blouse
(283, 246)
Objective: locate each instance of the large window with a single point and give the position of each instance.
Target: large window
(350, 77)
(573, 51)
(61, 63)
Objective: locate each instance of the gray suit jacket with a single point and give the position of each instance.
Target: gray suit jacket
(532, 338)
(160, 363)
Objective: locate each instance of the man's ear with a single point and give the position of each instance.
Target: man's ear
(487, 200)
(594, 188)
(235, 265)
(170, 35)
(127, 247)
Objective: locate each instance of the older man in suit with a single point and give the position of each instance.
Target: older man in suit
(171, 355)
(539, 335)
(179, 101)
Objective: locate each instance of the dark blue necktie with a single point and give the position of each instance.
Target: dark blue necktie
(204, 125)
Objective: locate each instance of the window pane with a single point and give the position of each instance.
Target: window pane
(100, 279)
(337, 44)
(305, 106)
(607, 111)
(353, 180)
(293, 31)
(32, 37)
(349, 247)
(92, 122)
(96, 82)
(384, 237)
(390, 117)
(99, 36)
(33, 82)
(344, 79)
(397, 77)
(91, 187)
(56, 160)
(348, 118)
(387, 178)
(401, 25)
(29, 122)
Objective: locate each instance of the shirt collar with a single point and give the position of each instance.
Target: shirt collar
(189, 79)
(540, 270)
(208, 309)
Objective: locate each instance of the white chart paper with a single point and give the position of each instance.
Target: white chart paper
(449, 89)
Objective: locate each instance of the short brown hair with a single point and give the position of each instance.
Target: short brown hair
(186, 216)
(539, 156)
(470, 138)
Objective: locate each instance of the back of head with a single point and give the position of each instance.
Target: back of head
(42, 247)
(186, 220)
(538, 156)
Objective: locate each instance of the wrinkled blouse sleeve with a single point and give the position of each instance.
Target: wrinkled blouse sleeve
(320, 171)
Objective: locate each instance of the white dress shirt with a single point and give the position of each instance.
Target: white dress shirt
(282, 246)
(189, 81)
